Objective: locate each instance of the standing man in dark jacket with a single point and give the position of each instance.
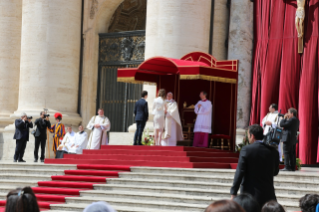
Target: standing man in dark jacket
(257, 166)
(290, 123)
(141, 117)
(42, 123)
(21, 136)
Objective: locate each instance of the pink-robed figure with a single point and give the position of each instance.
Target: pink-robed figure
(203, 124)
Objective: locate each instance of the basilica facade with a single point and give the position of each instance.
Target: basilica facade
(63, 55)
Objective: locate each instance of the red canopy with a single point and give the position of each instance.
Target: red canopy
(196, 65)
(186, 77)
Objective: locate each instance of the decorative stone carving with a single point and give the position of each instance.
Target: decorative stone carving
(127, 47)
(94, 8)
(129, 16)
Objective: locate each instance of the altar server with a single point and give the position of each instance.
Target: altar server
(173, 126)
(271, 120)
(203, 124)
(99, 125)
(81, 141)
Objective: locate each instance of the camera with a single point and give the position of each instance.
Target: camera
(29, 117)
(46, 115)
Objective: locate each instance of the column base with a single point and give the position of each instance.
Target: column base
(240, 134)
(5, 119)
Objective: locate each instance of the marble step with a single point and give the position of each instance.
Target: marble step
(155, 204)
(18, 171)
(18, 183)
(38, 166)
(145, 196)
(119, 208)
(293, 176)
(221, 190)
(26, 177)
(203, 185)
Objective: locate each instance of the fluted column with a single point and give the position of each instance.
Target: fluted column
(10, 46)
(50, 58)
(220, 29)
(241, 47)
(175, 28)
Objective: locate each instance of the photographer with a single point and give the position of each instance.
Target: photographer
(21, 136)
(290, 123)
(258, 164)
(42, 124)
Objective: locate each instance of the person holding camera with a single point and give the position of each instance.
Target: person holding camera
(42, 123)
(21, 136)
(258, 164)
(290, 123)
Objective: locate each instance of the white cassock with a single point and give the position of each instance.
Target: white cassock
(273, 118)
(98, 136)
(80, 142)
(204, 117)
(173, 126)
(67, 142)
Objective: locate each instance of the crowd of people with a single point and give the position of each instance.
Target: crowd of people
(24, 200)
(63, 141)
(167, 123)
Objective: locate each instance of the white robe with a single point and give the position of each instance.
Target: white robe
(273, 118)
(80, 143)
(98, 136)
(204, 117)
(173, 126)
(67, 142)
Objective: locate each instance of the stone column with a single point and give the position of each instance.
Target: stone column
(220, 29)
(240, 47)
(175, 28)
(50, 58)
(10, 46)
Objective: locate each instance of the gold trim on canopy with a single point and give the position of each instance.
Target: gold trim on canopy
(208, 78)
(133, 81)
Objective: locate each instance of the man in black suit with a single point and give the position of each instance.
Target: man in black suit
(141, 117)
(258, 164)
(21, 136)
(42, 124)
(290, 123)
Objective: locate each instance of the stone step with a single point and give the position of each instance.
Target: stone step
(119, 208)
(37, 166)
(26, 177)
(47, 172)
(145, 196)
(293, 176)
(19, 183)
(203, 185)
(155, 204)
(221, 190)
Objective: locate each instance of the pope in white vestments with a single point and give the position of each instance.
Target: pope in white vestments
(99, 125)
(68, 140)
(271, 120)
(173, 126)
(203, 124)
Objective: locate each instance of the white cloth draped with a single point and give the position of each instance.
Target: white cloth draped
(173, 126)
(80, 143)
(67, 142)
(204, 117)
(98, 136)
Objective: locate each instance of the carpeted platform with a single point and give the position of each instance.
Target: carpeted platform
(153, 156)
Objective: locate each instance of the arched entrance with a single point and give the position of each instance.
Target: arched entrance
(123, 46)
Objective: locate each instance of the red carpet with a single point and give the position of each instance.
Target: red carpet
(153, 156)
(55, 191)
